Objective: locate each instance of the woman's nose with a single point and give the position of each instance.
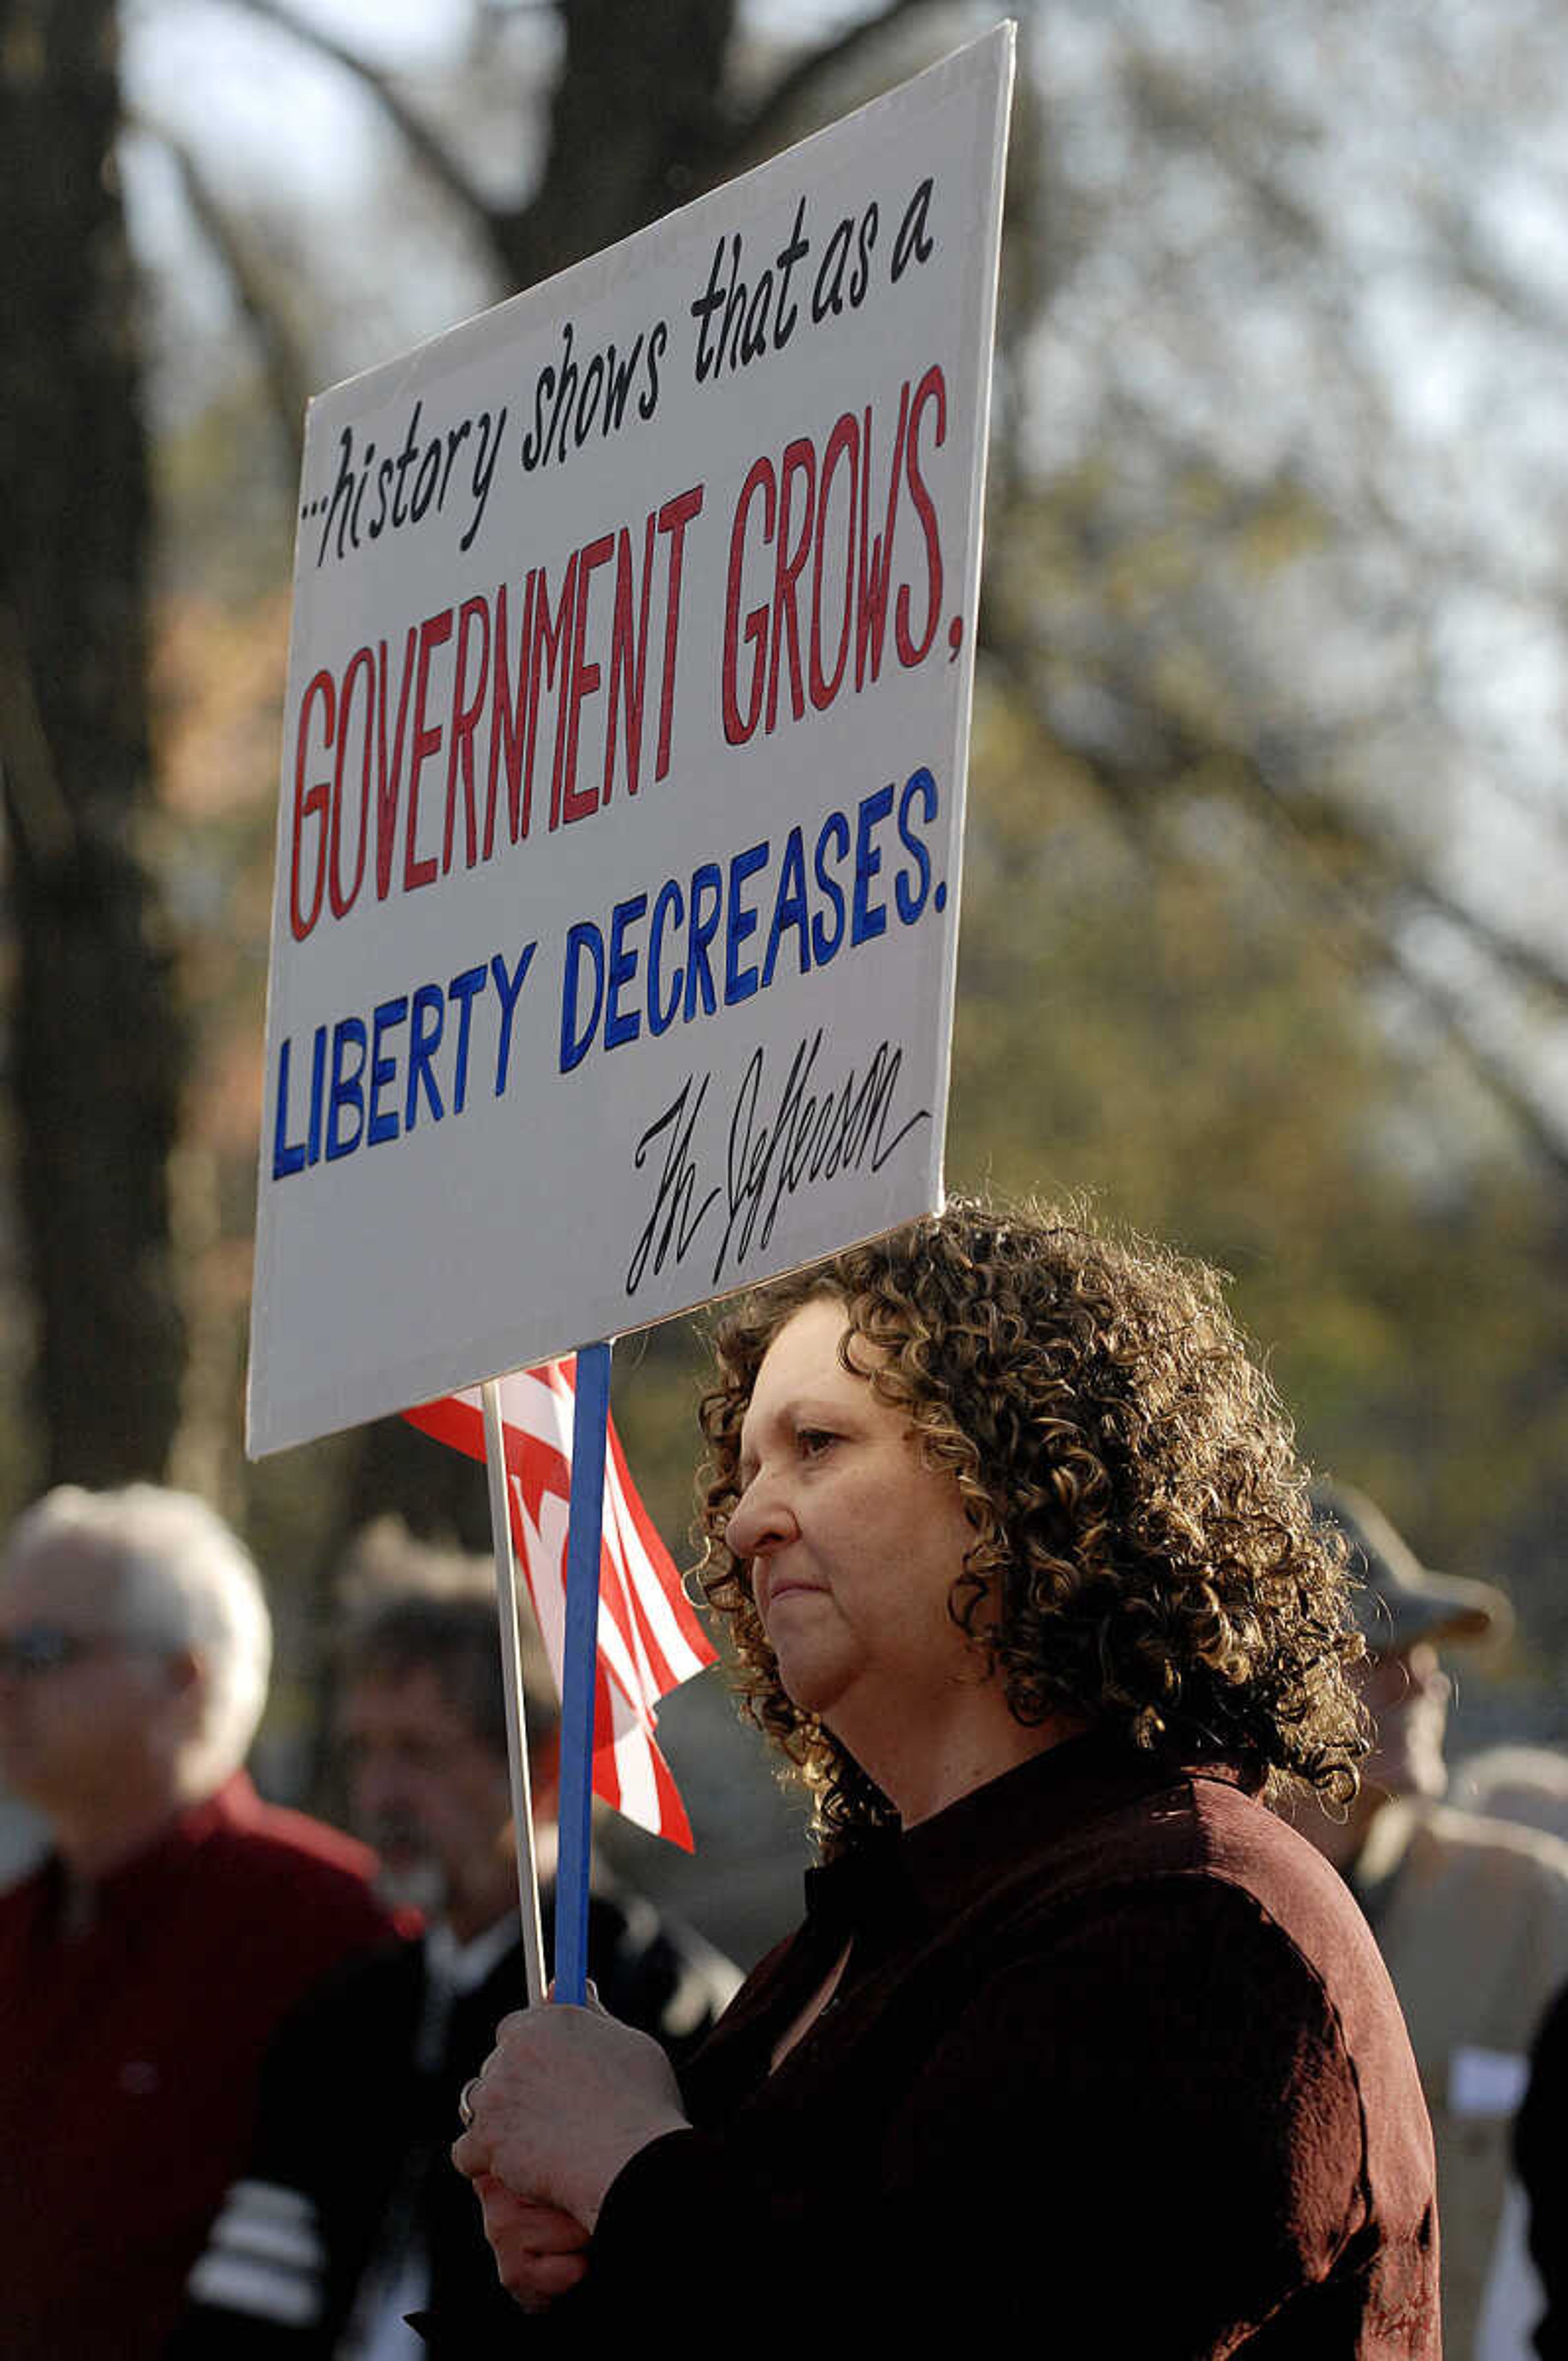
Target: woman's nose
(761, 1520)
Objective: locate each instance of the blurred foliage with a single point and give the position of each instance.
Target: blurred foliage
(1254, 947)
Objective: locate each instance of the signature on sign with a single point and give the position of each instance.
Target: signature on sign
(811, 1133)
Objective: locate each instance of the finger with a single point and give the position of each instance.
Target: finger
(548, 2276)
(506, 2032)
(591, 2000)
(535, 2283)
(532, 2213)
(541, 2229)
(540, 2253)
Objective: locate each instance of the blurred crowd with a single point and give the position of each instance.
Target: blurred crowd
(1465, 1883)
(234, 2037)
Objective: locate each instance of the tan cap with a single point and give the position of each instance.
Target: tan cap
(1401, 1600)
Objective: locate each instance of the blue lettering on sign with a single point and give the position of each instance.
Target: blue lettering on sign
(789, 909)
(909, 897)
(622, 1024)
(870, 918)
(706, 946)
(706, 903)
(388, 1018)
(714, 939)
(464, 989)
(740, 982)
(585, 937)
(661, 1012)
(369, 1084)
(507, 983)
(429, 1023)
(348, 1035)
(835, 834)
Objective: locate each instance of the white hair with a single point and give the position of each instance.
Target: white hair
(176, 1575)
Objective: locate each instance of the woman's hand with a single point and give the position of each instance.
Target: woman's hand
(540, 2252)
(566, 2098)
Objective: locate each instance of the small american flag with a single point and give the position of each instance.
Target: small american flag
(649, 1638)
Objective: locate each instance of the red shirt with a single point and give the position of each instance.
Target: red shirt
(130, 2054)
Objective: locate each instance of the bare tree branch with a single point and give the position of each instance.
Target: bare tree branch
(283, 368)
(617, 160)
(1275, 775)
(1521, 961)
(1364, 920)
(756, 131)
(432, 151)
(1136, 791)
(1448, 1011)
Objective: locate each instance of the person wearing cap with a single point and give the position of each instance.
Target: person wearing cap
(1471, 1914)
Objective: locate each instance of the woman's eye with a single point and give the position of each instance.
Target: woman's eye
(813, 1441)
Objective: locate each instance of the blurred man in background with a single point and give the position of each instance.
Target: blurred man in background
(144, 1965)
(1527, 1785)
(1541, 2150)
(1471, 1914)
(351, 2214)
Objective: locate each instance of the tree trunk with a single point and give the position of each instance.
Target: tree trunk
(635, 127)
(96, 1052)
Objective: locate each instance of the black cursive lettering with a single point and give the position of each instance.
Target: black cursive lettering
(811, 1138)
(812, 1135)
(678, 1185)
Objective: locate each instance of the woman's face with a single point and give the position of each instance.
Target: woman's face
(853, 1545)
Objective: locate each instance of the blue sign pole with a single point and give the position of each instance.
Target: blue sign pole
(590, 1419)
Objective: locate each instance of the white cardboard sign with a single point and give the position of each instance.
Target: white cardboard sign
(621, 805)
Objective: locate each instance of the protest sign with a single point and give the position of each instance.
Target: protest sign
(618, 847)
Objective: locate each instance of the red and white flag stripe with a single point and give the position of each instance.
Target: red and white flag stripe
(649, 1637)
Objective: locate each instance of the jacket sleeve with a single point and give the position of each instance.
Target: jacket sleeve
(285, 2248)
(1150, 2129)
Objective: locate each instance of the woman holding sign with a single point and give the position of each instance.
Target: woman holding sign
(1077, 2039)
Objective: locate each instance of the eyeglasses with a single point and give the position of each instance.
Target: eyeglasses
(45, 1648)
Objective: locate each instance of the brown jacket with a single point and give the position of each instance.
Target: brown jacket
(1115, 2067)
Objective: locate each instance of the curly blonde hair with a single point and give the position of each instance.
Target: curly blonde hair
(1143, 1546)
